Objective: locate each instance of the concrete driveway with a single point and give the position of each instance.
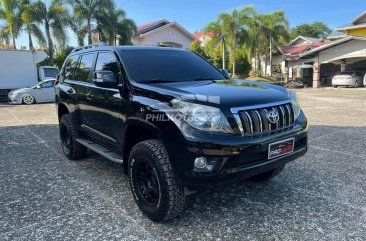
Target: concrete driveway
(321, 196)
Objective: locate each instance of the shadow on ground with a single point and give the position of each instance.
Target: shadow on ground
(319, 196)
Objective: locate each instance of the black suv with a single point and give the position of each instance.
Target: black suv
(175, 122)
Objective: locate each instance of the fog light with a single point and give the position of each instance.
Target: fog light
(200, 162)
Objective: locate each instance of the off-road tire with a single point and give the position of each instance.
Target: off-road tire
(265, 176)
(74, 150)
(171, 198)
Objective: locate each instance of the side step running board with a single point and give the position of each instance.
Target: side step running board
(101, 150)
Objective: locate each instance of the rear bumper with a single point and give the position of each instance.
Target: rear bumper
(343, 82)
(236, 157)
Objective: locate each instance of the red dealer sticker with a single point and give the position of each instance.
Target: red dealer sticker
(280, 148)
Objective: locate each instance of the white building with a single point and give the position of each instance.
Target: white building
(163, 32)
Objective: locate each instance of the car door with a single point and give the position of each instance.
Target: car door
(99, 108)
(47, 91)
(68, 84)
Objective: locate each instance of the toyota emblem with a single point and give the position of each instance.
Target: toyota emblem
(273, 116)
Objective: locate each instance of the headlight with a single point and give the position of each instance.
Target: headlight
(202, 117)
(294, 102)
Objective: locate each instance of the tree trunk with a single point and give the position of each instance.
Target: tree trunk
(90, 41)
(256, 55)
(265, 62)
(49, 40)
(223, 54)
(14, 44)
(31, 47)
(259, 63)
(233, 53)
(270, 56)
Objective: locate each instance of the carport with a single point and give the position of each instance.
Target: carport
(345, 54)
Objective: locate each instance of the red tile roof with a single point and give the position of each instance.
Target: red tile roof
(200, 34)
(294, 51)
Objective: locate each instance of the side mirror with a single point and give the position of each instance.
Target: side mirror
(105, 78)
(225, 72)
(58, 79)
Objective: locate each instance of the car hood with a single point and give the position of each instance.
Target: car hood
(20, 91)
(229, 93)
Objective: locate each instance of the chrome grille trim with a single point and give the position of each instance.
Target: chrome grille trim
(252, 120)
(260, 121)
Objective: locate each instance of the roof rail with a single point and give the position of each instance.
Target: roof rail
(100, 44)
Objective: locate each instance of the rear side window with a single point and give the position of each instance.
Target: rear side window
(70, 67)
(107, 61)
(85, 65)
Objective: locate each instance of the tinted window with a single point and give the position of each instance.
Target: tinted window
(167, 65)
(85, 65)
(50, 72)
(47, 84)
(70, 67)
(347, 73)
(107, 61)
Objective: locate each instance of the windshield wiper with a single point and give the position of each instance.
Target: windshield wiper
(156, 81)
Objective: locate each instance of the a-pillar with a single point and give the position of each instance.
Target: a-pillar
(316, 75)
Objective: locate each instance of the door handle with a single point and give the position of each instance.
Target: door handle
(71, 91)
(89, 96)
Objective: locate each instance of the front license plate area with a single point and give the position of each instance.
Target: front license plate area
(280, 148)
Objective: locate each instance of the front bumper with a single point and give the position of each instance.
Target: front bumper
(236, 157)
(13, 99)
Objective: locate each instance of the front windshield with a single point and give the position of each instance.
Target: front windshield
(149, 65)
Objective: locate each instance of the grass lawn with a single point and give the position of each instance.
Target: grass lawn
(264, 79)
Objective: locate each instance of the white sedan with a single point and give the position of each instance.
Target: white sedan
(42, 92)
(348, 78)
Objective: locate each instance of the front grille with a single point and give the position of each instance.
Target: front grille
(256, 121)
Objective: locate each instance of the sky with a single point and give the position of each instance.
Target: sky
(195, 14)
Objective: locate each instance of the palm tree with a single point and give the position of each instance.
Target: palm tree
(4, 37)
(278, 29)
(216, 27)
(88, 11)
(10, 12)
(80, 29)
(32, 27)
(113, 25)
(263, 36)
(55, 19)
(233, 24)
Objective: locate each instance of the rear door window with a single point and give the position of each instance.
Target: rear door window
(70, 67)
(85, 66)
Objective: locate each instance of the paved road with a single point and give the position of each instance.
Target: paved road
(321, 196)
